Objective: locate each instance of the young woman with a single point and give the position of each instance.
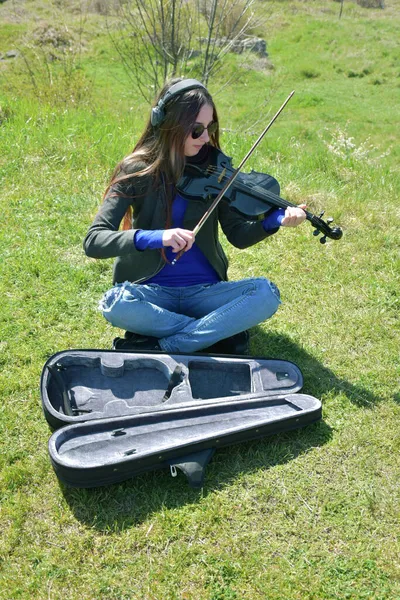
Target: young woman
(189, 305)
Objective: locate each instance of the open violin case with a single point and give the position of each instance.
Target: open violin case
(116, 413)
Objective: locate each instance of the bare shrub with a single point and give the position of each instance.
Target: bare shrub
(57, 80)
(159, 39)
(371, 3)
(366, 3)
(104, 7)
(49, 67)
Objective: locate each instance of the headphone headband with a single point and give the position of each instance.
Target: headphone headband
(158, 112)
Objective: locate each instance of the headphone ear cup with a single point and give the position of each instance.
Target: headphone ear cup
(157, 116)
(158, 113)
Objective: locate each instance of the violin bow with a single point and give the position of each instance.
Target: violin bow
(233, 176)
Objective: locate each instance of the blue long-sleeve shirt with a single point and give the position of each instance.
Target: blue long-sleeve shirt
(192, 268)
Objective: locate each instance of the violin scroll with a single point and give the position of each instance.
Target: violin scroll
(321, 226)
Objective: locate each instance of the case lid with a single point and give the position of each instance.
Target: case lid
(105, 451)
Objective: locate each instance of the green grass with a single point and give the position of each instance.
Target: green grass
(311, 514)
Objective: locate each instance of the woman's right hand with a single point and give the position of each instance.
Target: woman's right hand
(179, 239)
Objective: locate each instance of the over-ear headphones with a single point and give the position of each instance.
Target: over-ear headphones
(158, 112)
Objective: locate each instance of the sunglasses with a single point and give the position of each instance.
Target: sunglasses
(198, 129)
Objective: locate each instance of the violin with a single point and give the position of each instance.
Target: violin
(252, 194)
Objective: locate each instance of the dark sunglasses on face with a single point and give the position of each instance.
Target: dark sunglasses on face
(198, 129)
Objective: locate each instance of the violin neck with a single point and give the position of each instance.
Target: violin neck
(269, 197)
(275, 200)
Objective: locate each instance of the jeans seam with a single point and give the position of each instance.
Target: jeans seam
(248, 283)
(175, 316)
(242, 299)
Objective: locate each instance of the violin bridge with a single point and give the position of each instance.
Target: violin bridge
(220, 178)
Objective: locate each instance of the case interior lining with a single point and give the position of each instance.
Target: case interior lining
(115, 384)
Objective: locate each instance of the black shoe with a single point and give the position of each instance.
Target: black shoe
(236, 344)
(133, 341)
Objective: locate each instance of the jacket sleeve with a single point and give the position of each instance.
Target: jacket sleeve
(104, 240)
(239, 231)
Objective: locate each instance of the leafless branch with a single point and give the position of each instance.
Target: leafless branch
(164, 38)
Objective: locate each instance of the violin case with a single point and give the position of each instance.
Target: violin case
(116, 413)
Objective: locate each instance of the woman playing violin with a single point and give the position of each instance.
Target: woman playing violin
(189, 305)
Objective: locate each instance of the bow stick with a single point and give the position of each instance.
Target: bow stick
(233, 176)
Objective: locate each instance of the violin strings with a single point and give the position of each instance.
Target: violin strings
(280, 202)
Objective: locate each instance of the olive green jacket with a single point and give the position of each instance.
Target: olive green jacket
(149, 204)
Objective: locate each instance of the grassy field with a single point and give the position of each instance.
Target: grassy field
(311, 514)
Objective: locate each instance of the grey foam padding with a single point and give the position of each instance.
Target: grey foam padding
(104, 384)
(218, 379)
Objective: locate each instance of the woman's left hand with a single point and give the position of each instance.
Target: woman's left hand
(294, 215)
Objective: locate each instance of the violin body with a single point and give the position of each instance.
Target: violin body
(252, 194)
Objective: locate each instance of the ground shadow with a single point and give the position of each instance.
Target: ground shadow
(318, 379)
(120, 506)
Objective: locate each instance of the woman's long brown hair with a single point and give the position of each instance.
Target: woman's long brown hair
(162, 148)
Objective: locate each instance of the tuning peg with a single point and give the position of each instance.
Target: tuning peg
(323, 239)
(329, 220)
(316, 232)
(322, 214)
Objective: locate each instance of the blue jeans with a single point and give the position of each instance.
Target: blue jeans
(188, 319)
